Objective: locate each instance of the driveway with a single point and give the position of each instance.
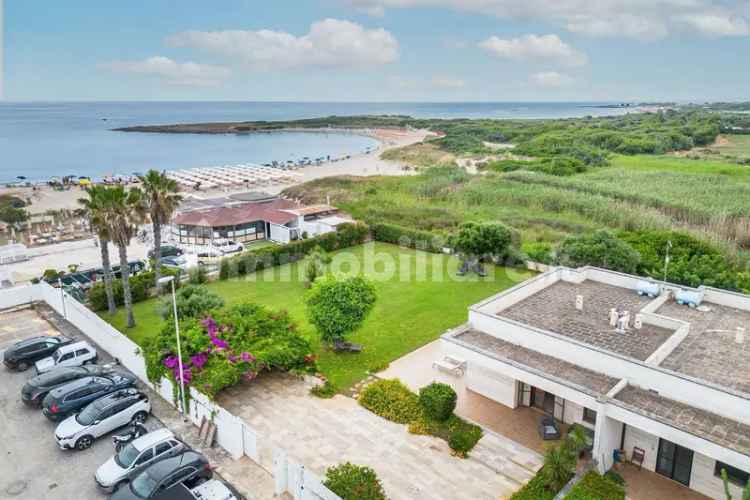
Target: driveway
(320, 433)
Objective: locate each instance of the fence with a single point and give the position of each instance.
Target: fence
(232, 433)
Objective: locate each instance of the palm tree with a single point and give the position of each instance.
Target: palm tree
(559, 465)
(161, 199)
(95, 211)
(125, 209)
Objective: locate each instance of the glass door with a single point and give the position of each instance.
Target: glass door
(674, 462)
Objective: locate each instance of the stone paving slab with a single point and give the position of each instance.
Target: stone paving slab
(320, 433)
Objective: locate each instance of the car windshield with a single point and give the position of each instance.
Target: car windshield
(127, 456)
(143, 485)
(88, 415)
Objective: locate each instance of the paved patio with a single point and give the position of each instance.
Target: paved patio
(520, 425)
(647, 485)
(320, 433)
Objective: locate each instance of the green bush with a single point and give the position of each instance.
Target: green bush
(224, 269)
(193, 301)
(599, 249)
(539, 252)
(391, 400)
(337, 307)
(140, 287)
(354, 482)
(324, 391)
(463, 438)
(438, 401)
(534, 490)
(406, 237)
(595, 487)
(197, 275)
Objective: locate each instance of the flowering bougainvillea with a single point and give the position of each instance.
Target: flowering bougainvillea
(227, 346)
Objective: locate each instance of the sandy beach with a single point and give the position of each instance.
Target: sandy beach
(85, 254)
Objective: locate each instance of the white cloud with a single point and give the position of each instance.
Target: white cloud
(535, 48)
(550, 79)
(174, 73)
(448, 83)
(330, 43)
(438, 82)
(718, 24)
(640, 19)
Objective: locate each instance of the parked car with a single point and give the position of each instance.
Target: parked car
(136, 456)
(166, 251)
(175, 262)
(101, 417)
(228, 246)
(210, 490)
(136, 266)
(34, 391)
(23, 354)
(62, 402)
(160, 480)
(76, 354)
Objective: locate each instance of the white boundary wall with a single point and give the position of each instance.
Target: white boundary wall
(232, 433)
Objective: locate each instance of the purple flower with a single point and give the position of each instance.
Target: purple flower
(210, 324)
(187, 375)
(232, 358)
(219, 343)
(199, 360)
(249, 375)
(247, 357)
(171, 361)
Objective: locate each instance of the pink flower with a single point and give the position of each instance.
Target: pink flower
(199, 360)
(219, 343)
(249, 375)
(210, 324)
(171, 361)
(232, 358)
(247, 357)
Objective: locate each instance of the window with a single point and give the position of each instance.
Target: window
(734, 475)
(145, 457)
(66, 357)
(163, 447)
(589, 416)
(82, 352)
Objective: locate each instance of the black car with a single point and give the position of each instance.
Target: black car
(210, 489)
(23, 354)
(166, 251)
(60, 403)
(164, 478)
(34, 391)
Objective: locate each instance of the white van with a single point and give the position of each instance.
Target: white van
(76, 354)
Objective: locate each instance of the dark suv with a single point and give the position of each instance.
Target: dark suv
(166, 251)
(71, 397)
(159, 480)
(34, 391)
(23, 354)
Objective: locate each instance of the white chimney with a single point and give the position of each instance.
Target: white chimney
(613, 317)
(579, 302)
(638, 323)
(739, 337)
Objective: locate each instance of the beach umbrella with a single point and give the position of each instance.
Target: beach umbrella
(84, 182)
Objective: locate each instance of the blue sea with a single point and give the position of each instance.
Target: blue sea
(39, 140)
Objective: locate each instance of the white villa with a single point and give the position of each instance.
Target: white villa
(650, 377)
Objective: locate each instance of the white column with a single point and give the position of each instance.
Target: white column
(606, 440)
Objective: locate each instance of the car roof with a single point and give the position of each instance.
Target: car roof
(58, 373)
(153, 437)
(162, 469)
(75, 345)
(41, 338)
(75, 384)
(109, 399)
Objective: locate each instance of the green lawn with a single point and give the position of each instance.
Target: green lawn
(420, 299)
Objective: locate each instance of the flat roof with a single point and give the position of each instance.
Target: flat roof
(712, 350)
(715, 428)
(274, 211)
(553, 309)
(593, 382)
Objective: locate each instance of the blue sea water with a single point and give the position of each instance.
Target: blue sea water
(40, 140)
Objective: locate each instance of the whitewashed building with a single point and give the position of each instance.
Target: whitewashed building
(647, 375)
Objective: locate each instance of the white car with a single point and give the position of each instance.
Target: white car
(228, 246)
(138, 454)
(76, 354)
(101, 417)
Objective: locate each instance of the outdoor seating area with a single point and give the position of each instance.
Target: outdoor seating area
(548, 428)
(241, 175)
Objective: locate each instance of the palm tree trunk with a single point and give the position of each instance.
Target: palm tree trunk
(157, 253)
(107, 267)
(125, 270)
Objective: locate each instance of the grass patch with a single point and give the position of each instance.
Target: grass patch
(592, 485)
(420, 299)
(535, 489)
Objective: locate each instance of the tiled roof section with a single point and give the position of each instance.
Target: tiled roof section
(313, 210)
(713, 350)
(596, 383)
(553, 309)
(715, 428)
(273, 211)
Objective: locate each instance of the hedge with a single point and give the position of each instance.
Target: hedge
(438, 401)
(407, 237)
(595, 487)
(354, 482)
(347, 235)
(140, 285)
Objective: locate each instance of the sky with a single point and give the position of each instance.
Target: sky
(376, 50)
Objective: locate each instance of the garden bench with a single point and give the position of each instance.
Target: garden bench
(449, 364)
(342, 346)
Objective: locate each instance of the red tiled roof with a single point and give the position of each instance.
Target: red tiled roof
(230, 216)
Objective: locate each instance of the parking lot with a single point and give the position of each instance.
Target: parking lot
(32, 465)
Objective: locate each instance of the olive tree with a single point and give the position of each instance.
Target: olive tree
(338, 306)
(478, 242)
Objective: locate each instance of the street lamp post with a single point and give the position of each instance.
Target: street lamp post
(164, 280)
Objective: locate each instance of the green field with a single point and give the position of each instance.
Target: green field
(737, 146)
(419, 297)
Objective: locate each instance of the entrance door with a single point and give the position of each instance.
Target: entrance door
(674, 462)
(543, 400)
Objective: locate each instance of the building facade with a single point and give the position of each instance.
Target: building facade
(649, 376)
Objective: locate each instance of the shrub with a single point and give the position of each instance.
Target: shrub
(438, 401)
(354, 482)
(594, 486)
(337, 307)
(487, 239)
(559, 464)
(391, 400)
(197, 275)
(539, 252)
(193, 301)
(534, 490)
(224, 269)
(464, 438)
(406, 237)
(324, 391)
(600, 249)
